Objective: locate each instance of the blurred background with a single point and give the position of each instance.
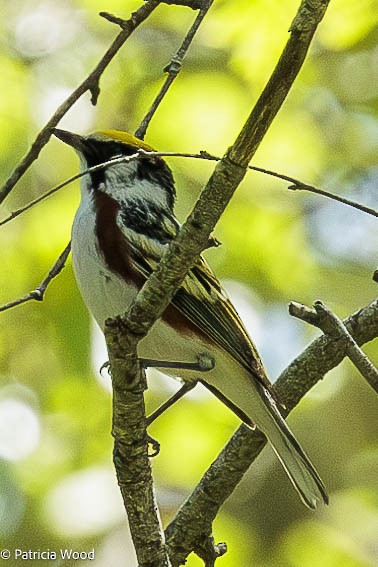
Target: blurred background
(57, 485)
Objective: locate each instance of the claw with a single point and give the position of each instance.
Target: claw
(155, 446)
(105, 366)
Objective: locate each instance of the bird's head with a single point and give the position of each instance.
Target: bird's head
(142, 177)
(103, 145)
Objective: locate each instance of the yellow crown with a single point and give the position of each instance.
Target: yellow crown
(125, 138)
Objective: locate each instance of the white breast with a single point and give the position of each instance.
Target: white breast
(104, 293)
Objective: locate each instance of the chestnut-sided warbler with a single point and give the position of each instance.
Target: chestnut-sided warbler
(122, 228)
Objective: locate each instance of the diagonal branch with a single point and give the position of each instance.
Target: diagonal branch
(39, 292)
(193, 237)
(323, 318)
(173, 68)
(91, 84)
(193, 521)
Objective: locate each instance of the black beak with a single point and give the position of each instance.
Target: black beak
(74, 140)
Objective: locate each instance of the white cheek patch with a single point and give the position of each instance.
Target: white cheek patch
(123, 184)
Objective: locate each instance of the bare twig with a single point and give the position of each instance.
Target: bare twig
(173, 69)
(298, 186)
(202, 155)
(42, 197)
(194, 4)
(323, 318)
(39, 293)
(114, 19)
(91, 83)
(194, 519)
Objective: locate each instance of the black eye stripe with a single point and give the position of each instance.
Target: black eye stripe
(97, 152)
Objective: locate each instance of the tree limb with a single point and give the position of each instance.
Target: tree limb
(130, 454)
(194, 519)
(91, 84)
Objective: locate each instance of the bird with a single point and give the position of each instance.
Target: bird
(123, 226)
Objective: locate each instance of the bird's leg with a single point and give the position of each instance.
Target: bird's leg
(237, 411)
(185, 388)
(204, 363)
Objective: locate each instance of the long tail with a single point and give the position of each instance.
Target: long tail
(261, 409)
(297, 465)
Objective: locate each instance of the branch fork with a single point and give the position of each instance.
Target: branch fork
(322, 317)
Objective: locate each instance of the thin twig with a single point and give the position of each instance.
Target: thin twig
(114, 19)
(173, 69)
(202, 155)
(42, 197)
(91, 84)
(323, 318)
(193, 4)
(298, 186)
(39, 293)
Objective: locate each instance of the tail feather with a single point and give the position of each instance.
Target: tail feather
(258, 407)
(297, 465)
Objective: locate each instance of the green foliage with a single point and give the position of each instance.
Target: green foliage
(55, 413)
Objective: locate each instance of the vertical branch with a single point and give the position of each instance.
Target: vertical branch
(129, 422)
(130, 453)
